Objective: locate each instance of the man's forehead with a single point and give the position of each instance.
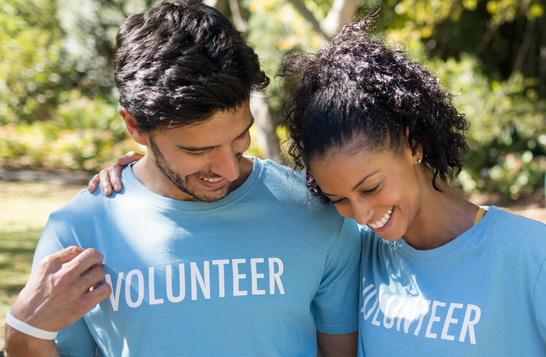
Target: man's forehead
(222, 127)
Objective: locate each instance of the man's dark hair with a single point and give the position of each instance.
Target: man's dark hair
(359, 91)
(178, 64)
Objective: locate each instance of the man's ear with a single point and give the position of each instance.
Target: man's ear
(132, 128)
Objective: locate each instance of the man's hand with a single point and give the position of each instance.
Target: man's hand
(111, 176)
(64, 287)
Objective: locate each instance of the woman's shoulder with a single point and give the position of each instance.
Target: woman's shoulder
(515, 231)
(512, 221)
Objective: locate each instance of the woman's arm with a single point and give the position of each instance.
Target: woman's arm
(111, 176)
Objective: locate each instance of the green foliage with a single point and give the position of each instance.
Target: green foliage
(84, 134)
(30, 40)
(505, 35)
(507, 138)
(90, 28)
(48, 48)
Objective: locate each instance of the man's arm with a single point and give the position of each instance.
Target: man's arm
(337, 345)
(336, 302)
(64, 287)
(19, 344)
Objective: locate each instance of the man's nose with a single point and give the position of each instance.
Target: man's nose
(226, 163)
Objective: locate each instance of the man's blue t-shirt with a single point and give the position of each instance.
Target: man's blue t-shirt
(482, 294)
(254, 274)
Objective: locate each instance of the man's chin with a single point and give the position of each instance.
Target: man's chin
(211, 199)
(213, 196)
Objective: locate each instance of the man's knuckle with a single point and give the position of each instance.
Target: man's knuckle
(73, 293)
(99, 273)
(49, 262)
(95, 254)
(74, 249)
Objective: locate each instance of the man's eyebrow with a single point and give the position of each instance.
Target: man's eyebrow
(193, 148)
(247, 129)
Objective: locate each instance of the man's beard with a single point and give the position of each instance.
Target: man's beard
(183, 184)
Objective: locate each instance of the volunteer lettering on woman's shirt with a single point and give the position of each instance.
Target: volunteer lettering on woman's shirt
(446, 301)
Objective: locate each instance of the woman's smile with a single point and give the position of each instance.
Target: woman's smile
(382, 221)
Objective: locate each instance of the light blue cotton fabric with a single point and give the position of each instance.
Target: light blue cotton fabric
(254, 274)
(483, 294)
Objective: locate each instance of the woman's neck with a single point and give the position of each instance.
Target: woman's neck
(442, 216)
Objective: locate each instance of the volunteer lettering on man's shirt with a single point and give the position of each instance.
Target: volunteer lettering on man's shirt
(265, 278)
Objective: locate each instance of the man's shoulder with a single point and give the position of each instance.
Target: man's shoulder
(273, 166)
(287, 186)
(283, 176)
(86, 203)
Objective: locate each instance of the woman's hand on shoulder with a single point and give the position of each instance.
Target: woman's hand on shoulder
(111, 176)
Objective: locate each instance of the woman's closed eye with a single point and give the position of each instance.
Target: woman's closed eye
(370, 191)
(339, 200)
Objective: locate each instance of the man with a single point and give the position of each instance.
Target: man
(204, 252)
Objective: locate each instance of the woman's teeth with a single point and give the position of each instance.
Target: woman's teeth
(380, 223)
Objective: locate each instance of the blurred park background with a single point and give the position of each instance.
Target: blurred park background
(58, 104)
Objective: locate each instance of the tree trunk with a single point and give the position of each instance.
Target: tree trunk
(237, 15)
(524, 47)
(310, 18)
(219, 5)
(341, 14)
(266, 133)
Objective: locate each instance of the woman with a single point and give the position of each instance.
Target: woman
(440, 276)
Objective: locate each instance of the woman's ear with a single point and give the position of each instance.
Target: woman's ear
(416, 148)
(418, 153)
(132, 127)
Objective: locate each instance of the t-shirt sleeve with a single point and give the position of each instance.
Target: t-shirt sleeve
(540, 300)
(75, 340)
(336, 303)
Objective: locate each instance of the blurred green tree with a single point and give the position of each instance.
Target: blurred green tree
(30, 60)
(506, 36)
(56, 53)
(90, 28)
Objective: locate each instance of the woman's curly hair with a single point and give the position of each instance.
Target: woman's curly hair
(359, 91)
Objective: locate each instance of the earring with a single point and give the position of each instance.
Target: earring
(419, 161)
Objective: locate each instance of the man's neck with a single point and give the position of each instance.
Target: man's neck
(245, 169)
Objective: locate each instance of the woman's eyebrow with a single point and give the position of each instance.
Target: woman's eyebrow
(356, 186)
(364, 179)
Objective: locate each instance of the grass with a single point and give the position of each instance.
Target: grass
(24, 209)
